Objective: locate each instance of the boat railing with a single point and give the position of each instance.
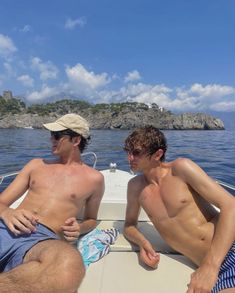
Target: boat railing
(226, 185)
(6, 175)
(90, 157)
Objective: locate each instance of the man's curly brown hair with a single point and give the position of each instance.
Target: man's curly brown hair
(149, 138)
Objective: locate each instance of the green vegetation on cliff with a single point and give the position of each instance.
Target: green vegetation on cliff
(12, 106)
(60, 107)
(15, 106)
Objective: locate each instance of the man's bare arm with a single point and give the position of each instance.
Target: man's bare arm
(207, 188)
(131, 232)
(18, 221)
(132, 213)
(218, 196)
(92, 206)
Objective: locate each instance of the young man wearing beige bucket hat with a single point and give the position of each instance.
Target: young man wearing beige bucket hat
(34, 257)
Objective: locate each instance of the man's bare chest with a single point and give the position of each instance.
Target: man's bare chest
(60, 183)
(165, 200)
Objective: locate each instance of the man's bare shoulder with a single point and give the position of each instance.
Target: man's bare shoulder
(95, 181)
(137, 182)
(94, 174)
(34, 163)
(181, 164)
(188, 170)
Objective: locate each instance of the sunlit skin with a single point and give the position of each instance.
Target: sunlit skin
(57, 192)
(176, 196)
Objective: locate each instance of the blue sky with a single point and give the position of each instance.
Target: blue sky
(179, 54)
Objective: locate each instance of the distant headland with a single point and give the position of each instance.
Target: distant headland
(15, 114)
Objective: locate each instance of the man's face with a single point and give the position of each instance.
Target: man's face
(137, 158)
(60, 141)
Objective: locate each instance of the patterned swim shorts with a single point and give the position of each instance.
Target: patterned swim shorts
(226, 278)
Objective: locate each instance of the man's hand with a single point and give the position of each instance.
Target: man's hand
(149, 256)
(71, 230)
(19, 221)
(203, 280)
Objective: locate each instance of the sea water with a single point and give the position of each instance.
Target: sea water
(214, 151)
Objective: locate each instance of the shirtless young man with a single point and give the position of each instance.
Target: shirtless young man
(177, 196)
(33, 254)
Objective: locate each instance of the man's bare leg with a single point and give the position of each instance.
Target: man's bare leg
(230, 290)
(51, 266)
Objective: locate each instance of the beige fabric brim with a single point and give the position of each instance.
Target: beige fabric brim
(54, 126)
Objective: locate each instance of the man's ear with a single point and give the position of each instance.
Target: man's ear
(76, 140)
(158, 154)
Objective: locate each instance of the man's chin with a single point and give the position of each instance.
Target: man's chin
(53, 151)
(134, 168)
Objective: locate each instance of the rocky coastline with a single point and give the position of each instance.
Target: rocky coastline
(123, 119)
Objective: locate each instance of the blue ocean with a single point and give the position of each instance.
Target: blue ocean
(214, 151)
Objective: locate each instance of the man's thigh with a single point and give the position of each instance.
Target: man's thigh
(52, 250)
(49, 266)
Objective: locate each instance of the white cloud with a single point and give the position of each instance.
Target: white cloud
(25, 29)
(38, 96)
(211, 90)
(85, 84)
(199, 97)
(132, 76)
(47, 69)
(26, 80)
(80, 77)
(226, 106)
(9, 71)
(72, 23)
(193, 98)
(144, 93)
(7, 47)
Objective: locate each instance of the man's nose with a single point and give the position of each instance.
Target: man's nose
(52, 139)
(130, 156)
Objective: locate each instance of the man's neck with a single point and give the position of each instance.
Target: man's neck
(155, 174)
(74, 157)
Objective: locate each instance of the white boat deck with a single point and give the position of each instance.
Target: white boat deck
(120, 272)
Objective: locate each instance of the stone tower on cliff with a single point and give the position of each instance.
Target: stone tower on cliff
(7, 95)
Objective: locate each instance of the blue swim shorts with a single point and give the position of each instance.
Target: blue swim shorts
(226, 278)
(13, 248)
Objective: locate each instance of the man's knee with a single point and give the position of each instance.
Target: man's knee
(60, 260)
(72, 267)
